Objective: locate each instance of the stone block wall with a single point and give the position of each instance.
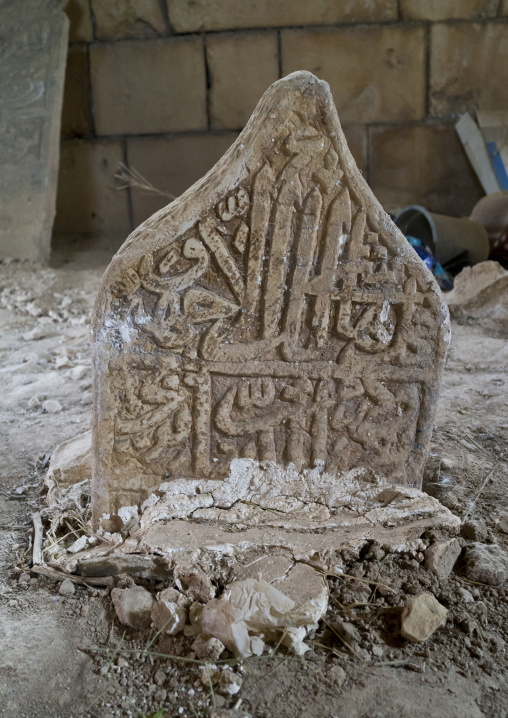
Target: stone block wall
(165, 86)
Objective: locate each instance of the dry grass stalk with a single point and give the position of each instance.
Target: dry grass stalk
(130, 177)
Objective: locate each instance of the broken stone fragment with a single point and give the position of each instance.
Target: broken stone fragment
(159, 677)
(194, 582)
(421, 617)
(67, 588)
(169, 612)
(229, 683)
(133, 606)
(464, 595)
(440, 558)
(474, 530)
(208, 648)
(71, 463)
(486, 563)
(51, 406)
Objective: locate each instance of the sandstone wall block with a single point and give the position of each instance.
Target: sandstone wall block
(273, 313)
(241, 66)
(467, 69)
(149, 86)
(376, 74)
(172, 164)
(87, 200)
(422, 165)
(448, 9)
(118, 19)
(202, 15)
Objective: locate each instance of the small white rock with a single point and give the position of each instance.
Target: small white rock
(51, 406)
(421, 617)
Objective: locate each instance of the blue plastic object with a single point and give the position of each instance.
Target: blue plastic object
(437, 270)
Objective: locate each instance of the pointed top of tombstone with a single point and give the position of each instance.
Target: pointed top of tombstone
(272, 312)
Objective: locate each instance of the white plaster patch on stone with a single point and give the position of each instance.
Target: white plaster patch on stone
(127, 513)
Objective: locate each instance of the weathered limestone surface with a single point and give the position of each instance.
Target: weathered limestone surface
(272, 313)
(33, 42)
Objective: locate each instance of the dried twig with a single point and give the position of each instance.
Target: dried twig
(484, 483)
(346, 644)
(83, 580)
(362, 580)
(130, 177)
(37, 559)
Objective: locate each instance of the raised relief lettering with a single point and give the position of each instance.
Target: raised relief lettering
(274, 313)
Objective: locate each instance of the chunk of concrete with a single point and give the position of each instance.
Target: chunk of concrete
(421, 617)
(440, 558)
(133, 606)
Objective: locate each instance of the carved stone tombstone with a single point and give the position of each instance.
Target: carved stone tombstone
(272, 312)
(33, 52)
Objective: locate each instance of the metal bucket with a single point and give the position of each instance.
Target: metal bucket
(448, 237)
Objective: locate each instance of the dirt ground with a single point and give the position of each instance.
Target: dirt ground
(68, 656)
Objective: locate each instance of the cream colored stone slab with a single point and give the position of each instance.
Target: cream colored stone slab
(172, 164)
(234, 14)
(385, 84)
(466, 71)
(272, 312)
(149, 87)
(88, 201)
(118, 19)
(448, 9)
(33, 41)
(232, 58)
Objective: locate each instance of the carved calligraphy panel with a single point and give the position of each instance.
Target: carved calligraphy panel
(272, 312)
(33, 51)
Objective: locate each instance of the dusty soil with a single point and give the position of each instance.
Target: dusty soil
(67, 656)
